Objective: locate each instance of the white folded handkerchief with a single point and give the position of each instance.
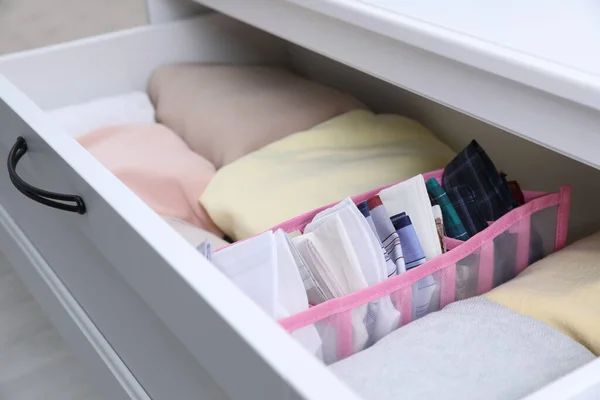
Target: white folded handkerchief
(362, 239)
(328, 252)
(291, 298)
(252, 266)
(411, 198)
(381, 316)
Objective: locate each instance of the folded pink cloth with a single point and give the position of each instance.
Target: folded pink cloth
(224, 112)
(158, 167)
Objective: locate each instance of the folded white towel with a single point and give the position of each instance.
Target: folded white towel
(472, 349)
(128, 108)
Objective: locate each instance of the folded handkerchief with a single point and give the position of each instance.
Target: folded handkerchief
(381, 317)
(291, 296)
(424, 289)
(252, 266)
(473, 168)
(411, 198)
(390, 264)
(328, 252)
(465, 203)
(316, 289)
(362, 239)
(452, 223)
(327, 249)
(411, 247)
(205, 248)
(194, 235)
(387, 234)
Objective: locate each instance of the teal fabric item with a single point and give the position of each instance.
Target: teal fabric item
(452, 222)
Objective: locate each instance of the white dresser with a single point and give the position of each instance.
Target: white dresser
(145, 312)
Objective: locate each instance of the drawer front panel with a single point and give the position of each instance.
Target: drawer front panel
(66, 242)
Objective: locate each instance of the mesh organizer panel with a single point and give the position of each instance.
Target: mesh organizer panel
(488, 259)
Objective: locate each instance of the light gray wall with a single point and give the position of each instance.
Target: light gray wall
(27, 24)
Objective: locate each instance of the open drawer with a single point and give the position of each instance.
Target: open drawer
(150, 315)
(179, 328)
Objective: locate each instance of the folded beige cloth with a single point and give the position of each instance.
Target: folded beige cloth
(347, 155)
(224, 112)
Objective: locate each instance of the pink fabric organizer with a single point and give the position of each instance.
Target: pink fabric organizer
(488, 259)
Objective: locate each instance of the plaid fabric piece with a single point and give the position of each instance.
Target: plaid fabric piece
(452, 224)
(464, 202)
(516, 191)
(472, 167)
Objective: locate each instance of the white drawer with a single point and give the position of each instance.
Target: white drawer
(169, 325)
(150, 316)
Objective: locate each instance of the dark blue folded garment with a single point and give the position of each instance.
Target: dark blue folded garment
(473, 168)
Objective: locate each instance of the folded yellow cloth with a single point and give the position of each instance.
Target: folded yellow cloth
(562, 290)
(347, 155)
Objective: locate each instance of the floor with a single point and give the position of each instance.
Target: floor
(35, 364)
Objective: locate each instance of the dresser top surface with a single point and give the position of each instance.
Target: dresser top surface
(546, 44)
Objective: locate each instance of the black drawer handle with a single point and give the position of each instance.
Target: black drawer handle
(39, 195)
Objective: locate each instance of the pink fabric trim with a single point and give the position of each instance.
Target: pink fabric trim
(529, 195)
(406, 308)
(452, 243)
(485, 279)
(523, 244)
(388, 286)
(448, 285)
(562, 220)
(403, 300)
(344, 334)
(301, 221)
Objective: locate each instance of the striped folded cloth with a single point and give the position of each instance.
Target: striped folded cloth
(386, 232)
(392, 267)
(413, 257)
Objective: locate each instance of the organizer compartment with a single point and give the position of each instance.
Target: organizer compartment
(488, 259)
